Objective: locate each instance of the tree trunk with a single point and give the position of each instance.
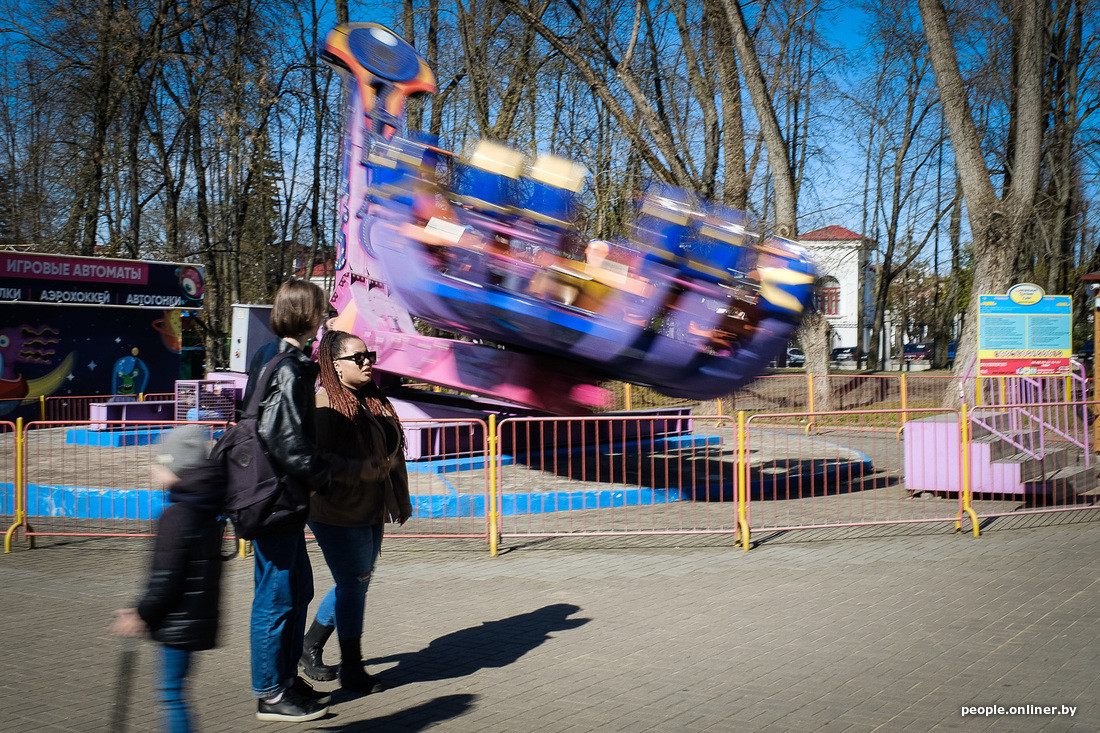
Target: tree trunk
(996, 225)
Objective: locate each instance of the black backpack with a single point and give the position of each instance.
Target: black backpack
(259, 500)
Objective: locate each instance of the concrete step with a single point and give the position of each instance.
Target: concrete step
(1065, 484)
(1031, 469)
(1000, 448)
(980, 434)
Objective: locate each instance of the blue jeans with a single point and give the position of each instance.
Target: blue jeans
(284, 588)
(350, 553)
(174, 664)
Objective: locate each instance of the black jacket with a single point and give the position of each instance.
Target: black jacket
(286, 418)
(180, 605)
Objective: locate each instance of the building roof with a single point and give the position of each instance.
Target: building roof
(321, 269)
(831, 233)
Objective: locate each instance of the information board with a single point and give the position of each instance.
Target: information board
(1024, 332)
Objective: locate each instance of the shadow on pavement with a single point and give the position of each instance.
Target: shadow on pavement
(415, 718)
(492, 644)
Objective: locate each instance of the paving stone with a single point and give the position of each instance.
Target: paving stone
(856, 633)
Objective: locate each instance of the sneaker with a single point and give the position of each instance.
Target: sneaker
(291, 708)
(303, 689)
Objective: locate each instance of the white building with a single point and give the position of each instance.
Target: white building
(846, 279)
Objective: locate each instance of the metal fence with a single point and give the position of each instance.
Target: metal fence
(83, 478)
(663, 473)
(449, 472)
(1033, 458)
(615, 475)
(10, 480)
(853, 470)
(75, 407)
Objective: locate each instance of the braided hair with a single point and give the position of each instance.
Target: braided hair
(348, 403)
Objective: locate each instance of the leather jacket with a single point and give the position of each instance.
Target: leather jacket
(286, 423)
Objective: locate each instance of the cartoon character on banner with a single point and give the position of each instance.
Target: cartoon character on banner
(129, 376)
(192, 285)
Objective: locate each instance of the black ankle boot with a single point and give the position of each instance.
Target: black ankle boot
(352, 675)
(310, 663)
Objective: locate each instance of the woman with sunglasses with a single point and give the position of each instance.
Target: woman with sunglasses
(355, 420)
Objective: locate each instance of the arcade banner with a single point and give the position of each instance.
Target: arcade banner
(63, 280)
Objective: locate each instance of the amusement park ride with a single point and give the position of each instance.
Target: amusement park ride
(691, 304)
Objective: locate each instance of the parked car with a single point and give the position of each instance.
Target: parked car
(1084, 353)
(845, 354)
(795, 358)
(922, 351)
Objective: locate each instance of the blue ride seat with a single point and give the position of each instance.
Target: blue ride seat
(663, 223)
(486, 181)
(391, 180)
(786, 280)
(720, 250)
(397, 165)
(553, 184)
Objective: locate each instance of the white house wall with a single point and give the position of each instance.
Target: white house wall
(841, 261)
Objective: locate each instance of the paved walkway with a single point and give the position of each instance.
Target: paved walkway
(836, 632)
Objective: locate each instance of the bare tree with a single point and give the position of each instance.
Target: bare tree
(997, 223)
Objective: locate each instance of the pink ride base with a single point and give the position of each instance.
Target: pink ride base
(535, 380)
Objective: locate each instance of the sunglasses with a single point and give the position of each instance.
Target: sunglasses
(360, 358)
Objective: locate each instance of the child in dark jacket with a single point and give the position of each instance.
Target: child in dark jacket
(180, 605)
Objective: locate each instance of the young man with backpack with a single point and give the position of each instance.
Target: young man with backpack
(283, 574)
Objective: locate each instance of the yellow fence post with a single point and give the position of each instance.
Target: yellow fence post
(742, 481)
(492, 458)
(19, 510)
(904, 405)
(964, 434)
(978, 391)
(42, 408)
(719, 401)
(242, 548)
(626, 395)
(810, 400)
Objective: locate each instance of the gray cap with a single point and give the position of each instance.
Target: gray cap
(183, 448)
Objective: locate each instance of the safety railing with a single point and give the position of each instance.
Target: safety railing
(91, 479)
(1022, 410)
(857, 392)
(616, 475)
(449, 466)
(772, 393)
(647, 474)
(853, 471)
(1023, 465)
(74, 408)
(11, 500)
(933, 390)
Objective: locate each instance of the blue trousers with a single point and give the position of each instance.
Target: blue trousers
(350, 553)
(280, 607)
(174, 665)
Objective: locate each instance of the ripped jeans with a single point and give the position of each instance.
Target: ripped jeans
(350, 553)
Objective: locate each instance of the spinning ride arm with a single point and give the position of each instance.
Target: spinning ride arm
(690, 304)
